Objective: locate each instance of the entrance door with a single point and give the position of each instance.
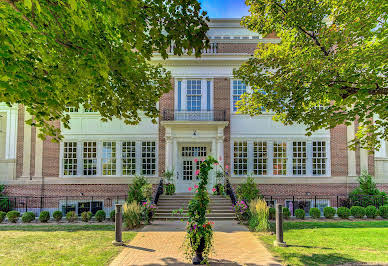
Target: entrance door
(188, 166)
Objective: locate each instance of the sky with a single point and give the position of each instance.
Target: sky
(225, 8)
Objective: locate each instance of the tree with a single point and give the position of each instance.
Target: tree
(329, 68)
(55, 54)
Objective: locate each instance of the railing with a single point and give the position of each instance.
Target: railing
(229, 191)
(188, 115)
(211, 50)
(159, 191)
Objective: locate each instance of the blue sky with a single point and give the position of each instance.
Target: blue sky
(225, 8)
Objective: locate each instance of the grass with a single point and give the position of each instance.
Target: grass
(58, 244)
(323, 243)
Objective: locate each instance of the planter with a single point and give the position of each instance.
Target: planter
(169, 189)
(198, 258)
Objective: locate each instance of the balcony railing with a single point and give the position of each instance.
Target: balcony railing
(187, 115)
(211, 50)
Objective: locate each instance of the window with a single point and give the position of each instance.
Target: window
(240, 158)
(194, 95)
(190, 151)
(280, 158)
(148, 157)
(260, 158)
(109, 158)
(319, 158)
(239, 89)
(299, 158)
(129, 157)
(90, 158)
(70, 158)
(71, 109)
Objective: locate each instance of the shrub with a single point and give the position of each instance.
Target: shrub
(100, 216)
(371, 211)
(248, 191)
(272, 213)
(329, 212)
(136, 193)
(86, 216)
(57, 215)
(4, 201)
(13, 216)
(259, 215)
(44, 217)
(357, 211)
(2, 216)
(28, 217)
(300, 213)
(240, 208)
(71, 216)
(286, 213)
(315, 213)
(169, 189)
(383, 211)
(112, 215)
(218, 189)
(343, 212)
(131, 215)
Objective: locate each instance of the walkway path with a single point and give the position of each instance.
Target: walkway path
(159, 244)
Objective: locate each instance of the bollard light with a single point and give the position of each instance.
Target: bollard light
(279, 227)
(118, 226)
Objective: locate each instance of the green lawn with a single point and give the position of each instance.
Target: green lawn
(58, 244)
(322, 243)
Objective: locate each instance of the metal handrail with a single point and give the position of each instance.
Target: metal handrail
(192, 115)
(159, 191)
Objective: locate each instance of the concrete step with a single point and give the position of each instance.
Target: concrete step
(157, 214)
(211, 218)
(185, 210)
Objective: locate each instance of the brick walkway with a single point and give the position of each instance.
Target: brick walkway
(159, 244)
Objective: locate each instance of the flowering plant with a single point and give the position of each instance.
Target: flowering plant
(240, 208)
(148, 210)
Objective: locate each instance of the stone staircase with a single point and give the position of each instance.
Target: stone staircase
(221, 208)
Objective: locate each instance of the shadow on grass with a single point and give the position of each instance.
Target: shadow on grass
(57, 227)
(319, 259)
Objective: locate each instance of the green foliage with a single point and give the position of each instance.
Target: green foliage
(218, 189)
(300, 213)
(248, 191)
(86, 216)
(315, 213)
(168, 176)
(44, 216)
(100, 215)
(112, 215)
(137, 192)
(148, 209)
(286, 213)
(367, 193)
(28, 217)
(329, 212)
(57, 215)
(93, 53)
(258, 220)
(3, 198)
(71, 216)
(198, 228)
(272, 213)
(169, 189)
(325, 57)
(383, 211)
(13, 216)
(371, 211)
(343, 212)
(240, 208)
(2, 216)
(357, 211)
(132, 215)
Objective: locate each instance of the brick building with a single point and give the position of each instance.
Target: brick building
(198, 118)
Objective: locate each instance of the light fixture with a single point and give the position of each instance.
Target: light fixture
(194, 132)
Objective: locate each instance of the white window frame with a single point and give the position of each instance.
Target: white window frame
(204, 97)
(325, 158)
(149, 158)
(66, 154)
(133, 159)
(298, 159)
(232, 94)
(109, 155)
(244, 144)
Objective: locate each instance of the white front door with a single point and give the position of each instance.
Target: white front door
(186, 177)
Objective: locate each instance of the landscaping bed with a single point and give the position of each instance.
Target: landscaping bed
(331, 242)
(59, 244)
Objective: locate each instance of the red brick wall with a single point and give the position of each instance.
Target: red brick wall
(338, 149)
(51, 156)
(19, 144)
(165, 102)
(222, 102)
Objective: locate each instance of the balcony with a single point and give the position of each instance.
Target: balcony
(186, 115)
(211, 50)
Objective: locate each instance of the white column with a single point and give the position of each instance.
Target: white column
(169, 154)
(80, 164)
(363, 159)
(250, 156)
(26, 146)
(220, 150)
(270, 157)
(289, 158)
(175, 166)
(38, 155)
(138, 157)
(351, 154)
(309, 160)
(99, 158)
(119, 161)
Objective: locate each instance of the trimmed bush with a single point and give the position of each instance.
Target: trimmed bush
(112, 215)
(28, 217)
(57, 215)
(357, 211)
(383, 211)
(272, 213)
(315, 213)
(71, 216)
(300, 213)
(13, 216)
(371, 211)
(86, 216)
(328, 212)
(100, 215)
(44, 217)
(343, 212)
(2, 216)
(286, 213)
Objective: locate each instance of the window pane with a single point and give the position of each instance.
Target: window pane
(299, 157)
(148, 157)
(319, 158)
(239, 88)
(109, 158)
(240, 158)
(280, 158)
(260, 158)
(70, 158)
(90, 158)
(129, 158)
